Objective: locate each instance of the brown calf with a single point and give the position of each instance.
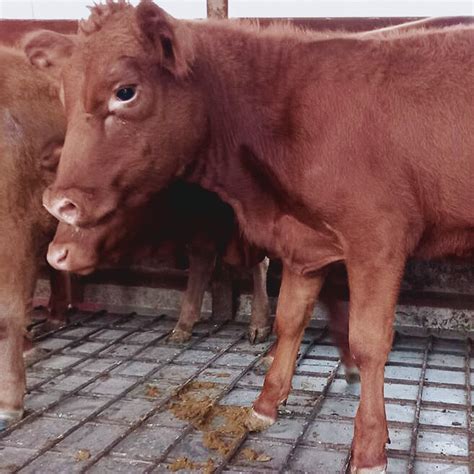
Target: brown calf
(182, 219)
(32, 127)
(339, 149)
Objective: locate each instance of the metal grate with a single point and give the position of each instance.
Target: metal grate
(87, 393)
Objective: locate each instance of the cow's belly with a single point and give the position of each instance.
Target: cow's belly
(446, 243)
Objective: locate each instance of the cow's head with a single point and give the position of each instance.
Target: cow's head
(133, 118)
(81, 251)
(76, 250)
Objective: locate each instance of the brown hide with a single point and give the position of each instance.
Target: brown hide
(354, 149)
(32, 128)
(283, 219)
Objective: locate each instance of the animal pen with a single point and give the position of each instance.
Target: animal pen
(108, 392)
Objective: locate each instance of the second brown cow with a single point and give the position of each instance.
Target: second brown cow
(32, 128)
(184, 220)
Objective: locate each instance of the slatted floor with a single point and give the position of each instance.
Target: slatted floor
(89, 407)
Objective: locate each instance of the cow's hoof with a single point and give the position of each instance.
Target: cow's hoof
(257, 334)
(266, 363)
(8, 418)
(352, 375)
(257, 422)
(33, 355)
(48, 326)
(179, 336)
(369, 470)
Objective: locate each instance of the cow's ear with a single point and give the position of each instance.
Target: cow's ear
(48, 50)
(168, 37)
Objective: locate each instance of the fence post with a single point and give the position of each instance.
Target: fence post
(222, 287)
(217, 9)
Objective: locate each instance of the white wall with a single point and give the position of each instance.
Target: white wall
(350, 8)
(62, 9)
(75, 9)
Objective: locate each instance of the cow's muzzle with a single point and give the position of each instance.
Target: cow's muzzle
(66, 257)
(77, 208)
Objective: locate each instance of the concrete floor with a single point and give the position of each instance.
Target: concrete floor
(98, 401)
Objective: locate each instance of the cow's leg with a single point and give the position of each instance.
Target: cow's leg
(60, 299)
(339, 328)
(260, 328)
(59, 302)
(267, 361)
(295, 305)
(17, 281)
(374, 290)
(201, 266)
(12, 371)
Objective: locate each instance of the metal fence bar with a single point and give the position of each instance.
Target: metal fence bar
(83, 317)
(223, 464)
(416, 421)
(74, 342)
(100, 375)
(221, 395)
(158, 408)
(310, 418)
(95, 353)
(38, 413)
(408, 453)
(67, 395)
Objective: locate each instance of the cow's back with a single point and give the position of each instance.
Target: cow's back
(398, 112)
(430, 113)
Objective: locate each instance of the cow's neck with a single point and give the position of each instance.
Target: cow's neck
(244, 81)
(248, 87)
(247, 80)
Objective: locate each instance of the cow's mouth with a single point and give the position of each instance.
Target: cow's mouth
(60, 258)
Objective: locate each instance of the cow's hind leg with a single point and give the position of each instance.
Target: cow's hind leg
(201, 266)
(339, 328)
(260, 327)
(295, 305)
(374, 290)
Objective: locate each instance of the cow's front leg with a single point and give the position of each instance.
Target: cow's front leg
(260, 327)
(201, 266)
(13, 319)
(60, 299)
(374, 290)
(295, 305)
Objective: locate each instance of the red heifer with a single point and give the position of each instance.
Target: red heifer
(343, 149)
(182, 219)
(32, 128)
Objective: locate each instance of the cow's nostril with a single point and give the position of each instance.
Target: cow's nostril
(67, 210)
(58, 257)
(61, 255)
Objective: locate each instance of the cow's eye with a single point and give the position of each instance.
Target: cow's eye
(126, 94)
